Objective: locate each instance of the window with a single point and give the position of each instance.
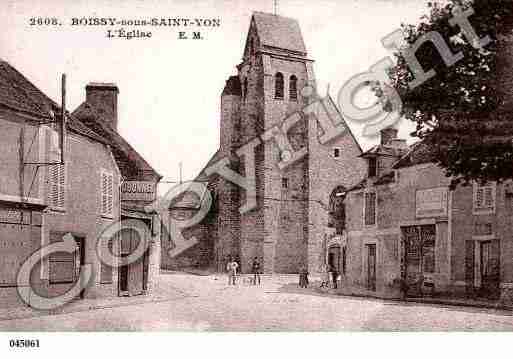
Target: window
(336, 152)
(106, 270)
(484, 198)
(278, 86)
(107, 194)
(57, 190)
(293, 88)
(370, 208)
(64, 266)
(337, 210)
(285, 182)
(373, 167)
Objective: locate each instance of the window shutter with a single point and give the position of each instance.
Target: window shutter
(62, 264)
(107, 194)
(57, 186)
(370, 209)
(484, 197)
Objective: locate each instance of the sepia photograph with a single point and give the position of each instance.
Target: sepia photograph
(249, 167)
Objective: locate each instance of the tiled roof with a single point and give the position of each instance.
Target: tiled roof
(419, 153)
(385, 150)
(232, 86)
(129, 161)
(19, 94)
(279, 32)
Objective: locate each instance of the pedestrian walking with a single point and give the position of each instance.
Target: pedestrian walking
(231, 268)
(255, 269)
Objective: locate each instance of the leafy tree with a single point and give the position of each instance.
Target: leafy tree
(460, 113)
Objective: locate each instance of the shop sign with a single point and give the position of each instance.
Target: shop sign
(138, 191)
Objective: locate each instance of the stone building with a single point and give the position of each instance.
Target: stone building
(137, 190)
(42, 200)
(290, 223)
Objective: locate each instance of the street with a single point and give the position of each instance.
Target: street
(209, 304)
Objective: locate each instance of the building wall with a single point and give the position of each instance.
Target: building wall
(325, 174)
(84, 161)
(82, 216)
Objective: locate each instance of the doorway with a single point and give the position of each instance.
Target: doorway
(419, 259)
(482, 268)
(133, 277)
(334, 258)
(371, 267)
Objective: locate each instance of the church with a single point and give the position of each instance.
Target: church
(297, 206)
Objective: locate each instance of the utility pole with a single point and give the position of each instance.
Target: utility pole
(180, 165)
(63, 117)
(275, 7)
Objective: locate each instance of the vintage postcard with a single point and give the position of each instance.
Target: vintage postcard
(255, 166)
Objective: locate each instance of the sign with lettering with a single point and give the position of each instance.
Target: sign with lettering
(138, 191)
(431, 202)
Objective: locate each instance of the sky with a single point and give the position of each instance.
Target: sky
(170, 89)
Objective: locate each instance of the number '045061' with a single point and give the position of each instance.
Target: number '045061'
(24, 343)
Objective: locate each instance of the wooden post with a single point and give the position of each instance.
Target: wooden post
(63, 118)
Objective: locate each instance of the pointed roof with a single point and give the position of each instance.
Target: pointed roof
(19, 94)
(129, 161)
(279, 32)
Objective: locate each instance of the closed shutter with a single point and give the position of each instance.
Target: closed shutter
(62, 264)
(370, 209)
(107, 193)
(57, 186)
(484, 197)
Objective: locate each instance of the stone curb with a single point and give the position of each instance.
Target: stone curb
(436, 301)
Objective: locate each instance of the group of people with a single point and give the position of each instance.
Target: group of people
(233, 268)
(329, 274)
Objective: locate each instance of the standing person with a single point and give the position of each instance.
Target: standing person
(255, 269)
(325, 276)
(231, 268)
(334, 275)
(303, 277)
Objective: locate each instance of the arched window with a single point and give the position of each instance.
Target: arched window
(278, 86)
(338, 210)
(293, 88)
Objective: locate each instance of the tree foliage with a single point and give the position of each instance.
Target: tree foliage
(462, 114)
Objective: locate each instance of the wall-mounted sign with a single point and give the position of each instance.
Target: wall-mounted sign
(138, 191)
(431, 202)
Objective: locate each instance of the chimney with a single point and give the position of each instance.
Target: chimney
(104, 98)
(387, 135)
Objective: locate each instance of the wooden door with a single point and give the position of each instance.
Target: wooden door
(136, 269)
(371, 267)
(489, 269)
